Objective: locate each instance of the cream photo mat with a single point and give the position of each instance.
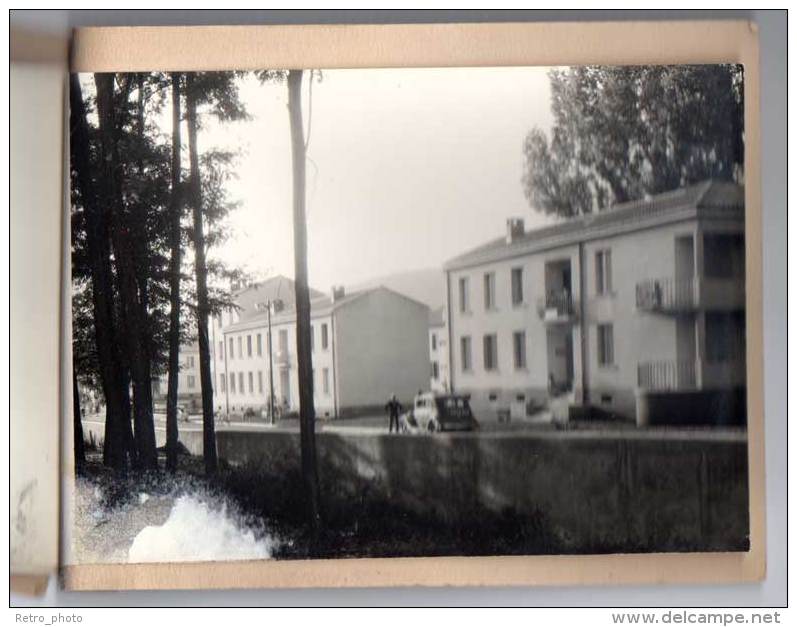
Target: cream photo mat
(441, 45)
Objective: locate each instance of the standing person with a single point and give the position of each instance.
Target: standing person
(393, 409)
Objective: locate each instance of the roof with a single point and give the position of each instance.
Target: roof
(275, 288)
(709, 197)
(320, 305)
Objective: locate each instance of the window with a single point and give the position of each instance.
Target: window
(517, 286)
(191, 382)
(232, 349)
(725, 336)
(723, 255)
(283, 340)
(464, 296)
(241, 388)
(260, 381)
(312, 337)
(248, 345)
(465, 353)
(259, 345)
(490, 352)
(603, 271)
(325, 375)
(221, 349)
(489, 290)
(251, 383)
(324, 336)
(519, 349)
(223, 381)
(240, 346)
(605, 344)
(232, 381)
(434, 341)
(435, 370)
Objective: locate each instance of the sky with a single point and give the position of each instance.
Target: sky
(406, 168)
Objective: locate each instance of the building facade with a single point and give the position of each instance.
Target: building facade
(365, 346)
(439, 378)
(636, 312)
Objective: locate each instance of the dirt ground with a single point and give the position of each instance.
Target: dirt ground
(104, 535)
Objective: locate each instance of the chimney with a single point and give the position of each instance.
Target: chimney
(338, 292)
(515, 229)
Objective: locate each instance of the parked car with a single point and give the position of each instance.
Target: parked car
(433, 412)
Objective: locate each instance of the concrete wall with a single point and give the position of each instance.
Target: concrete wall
(598, 493)
(381, 349)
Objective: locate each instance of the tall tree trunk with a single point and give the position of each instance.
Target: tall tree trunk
(203, 308)
(176, 210)
(304, 353)
(77, 425)
(142, 254)
(118, 447)
(121, 236)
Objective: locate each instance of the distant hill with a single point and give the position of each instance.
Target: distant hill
(426, 286)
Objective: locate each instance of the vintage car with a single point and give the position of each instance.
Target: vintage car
(433, 412)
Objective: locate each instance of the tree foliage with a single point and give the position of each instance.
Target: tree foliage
(122, 179)
(625, 132)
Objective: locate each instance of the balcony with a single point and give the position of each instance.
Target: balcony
(667, 295)
(557, 307)
(672, 296)
(678, 376)
(661, 376)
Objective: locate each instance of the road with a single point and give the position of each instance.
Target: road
(363, 424)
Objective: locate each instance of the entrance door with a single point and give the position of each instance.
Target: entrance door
(285, 386)
(566, 280)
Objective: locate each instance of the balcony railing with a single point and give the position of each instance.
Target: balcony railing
(557, 306)
(666, 294)
(667, 375)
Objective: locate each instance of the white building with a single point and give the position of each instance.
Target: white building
(635, 312)
(365, 346)
(438, 351)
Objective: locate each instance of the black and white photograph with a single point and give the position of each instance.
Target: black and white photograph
(407, 312)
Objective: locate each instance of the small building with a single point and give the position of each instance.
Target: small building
(365, 346)
(438, 351)
(636, 312)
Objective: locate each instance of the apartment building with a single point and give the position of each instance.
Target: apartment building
(366, 346)
(439, 378)
(636, 312)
